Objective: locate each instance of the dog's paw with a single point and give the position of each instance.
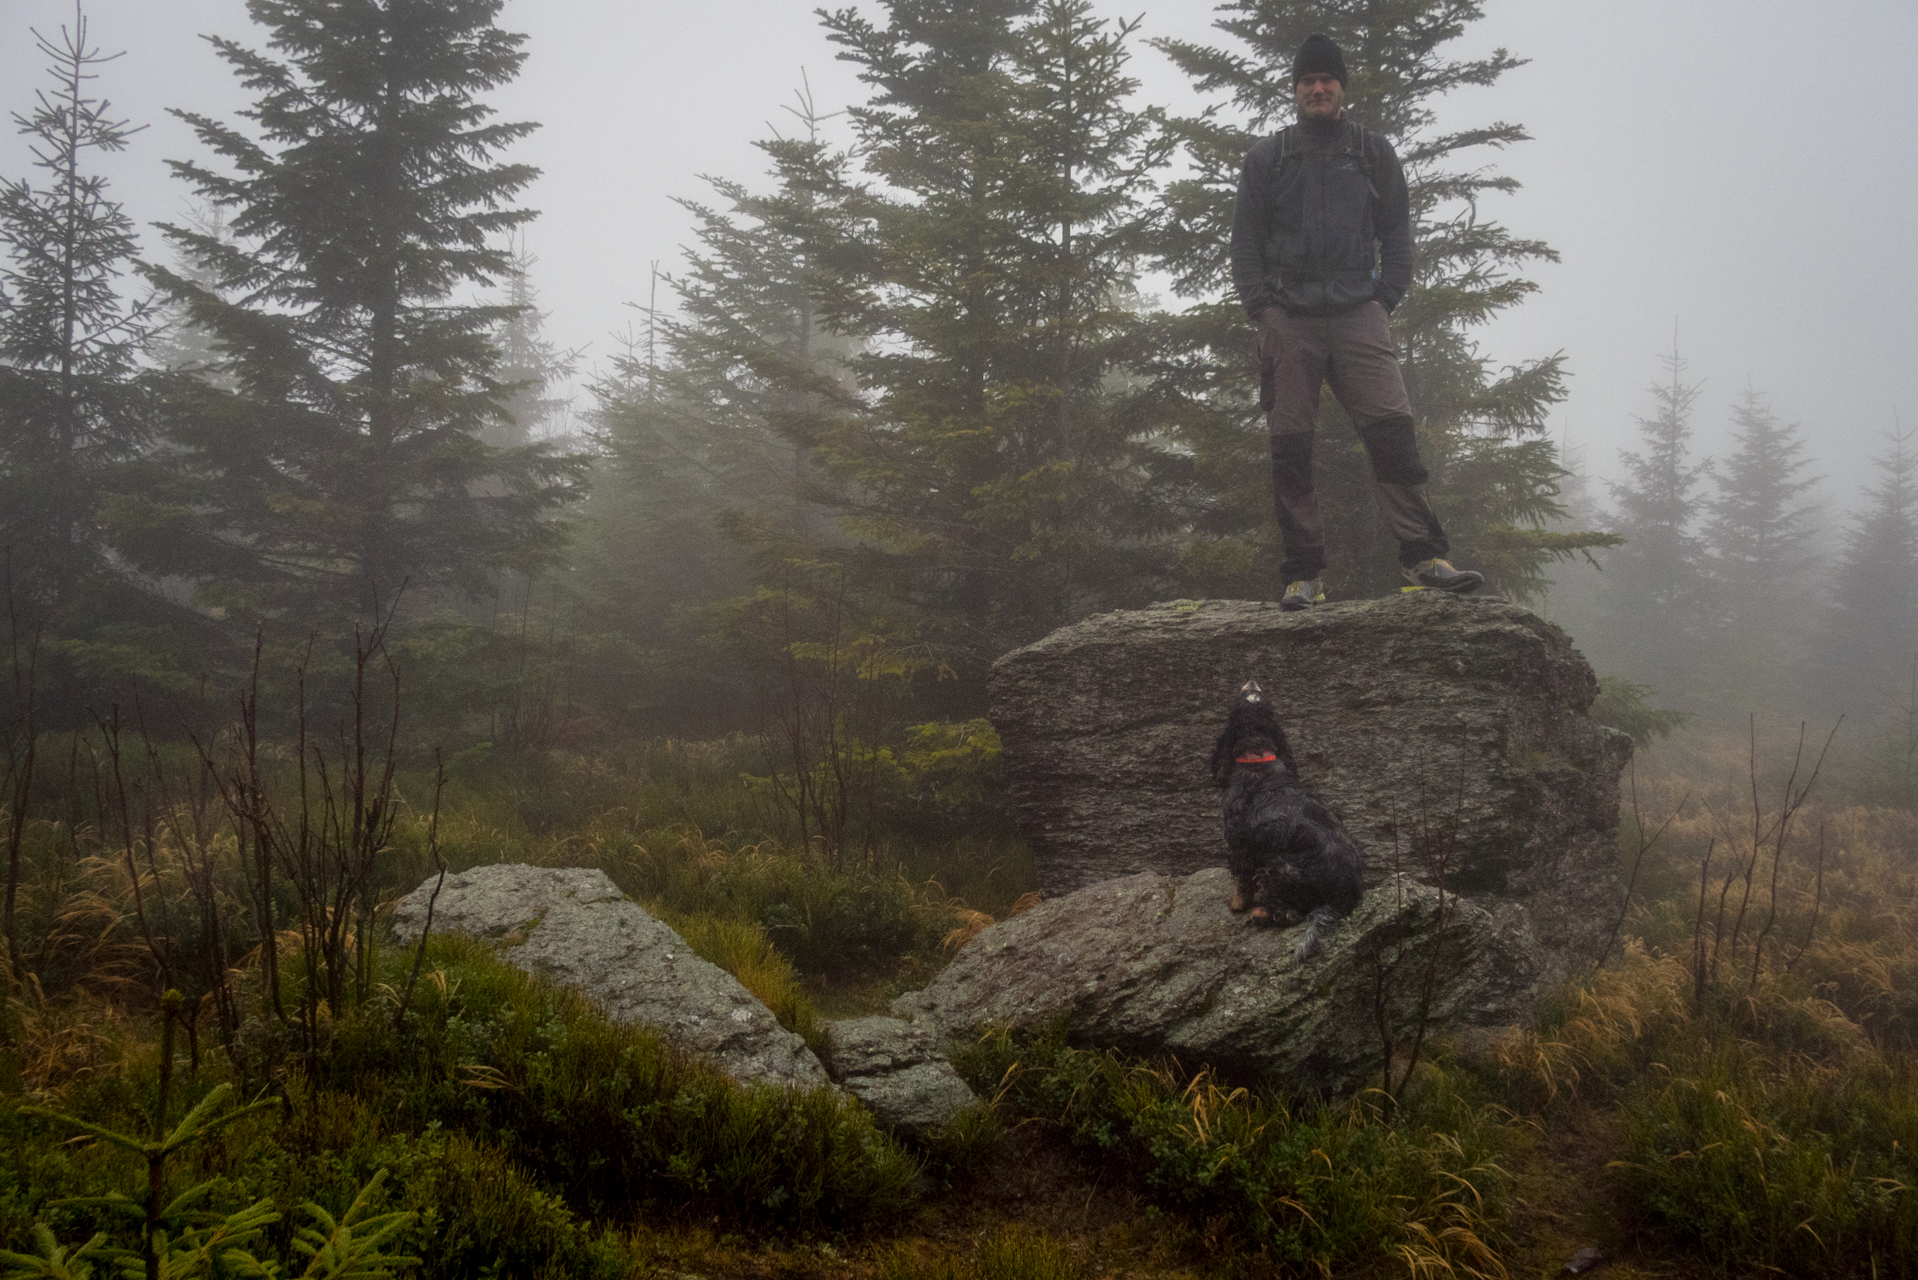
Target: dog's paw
(1308, 947)
(1261, 917)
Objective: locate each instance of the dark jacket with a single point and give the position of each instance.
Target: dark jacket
(1327, 227)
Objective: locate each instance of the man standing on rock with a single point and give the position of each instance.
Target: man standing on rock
(1321, 253)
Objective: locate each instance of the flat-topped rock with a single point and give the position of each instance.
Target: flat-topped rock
(574, 925)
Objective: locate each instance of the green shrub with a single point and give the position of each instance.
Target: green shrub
(1322, 1186)
(513, 1121)
(1804, 1170)
(611, 1116)
(1627, 707)
(964, 1147)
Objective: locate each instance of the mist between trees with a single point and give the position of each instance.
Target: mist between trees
(317, 587)
(901, 408)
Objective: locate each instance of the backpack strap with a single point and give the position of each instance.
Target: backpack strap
(1365, 158)
(1284, 147)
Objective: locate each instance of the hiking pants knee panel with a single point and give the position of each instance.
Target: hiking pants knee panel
(1392, 447)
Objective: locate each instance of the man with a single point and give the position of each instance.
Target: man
(1321, 253)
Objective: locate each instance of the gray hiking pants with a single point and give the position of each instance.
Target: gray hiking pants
(1352, 350)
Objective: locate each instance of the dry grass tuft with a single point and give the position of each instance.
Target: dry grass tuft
(57, 1042)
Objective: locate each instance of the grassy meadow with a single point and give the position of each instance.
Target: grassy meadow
(1735, 1092)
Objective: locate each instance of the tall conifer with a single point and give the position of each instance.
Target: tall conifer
(531, 365)
(997, 471)
(363, 204)
(72, 412)
(707, 419)
(1494, 472)
(1759, 538)
(1869, 642)
(1659, 607)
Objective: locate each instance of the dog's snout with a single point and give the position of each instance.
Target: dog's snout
(1250, 691)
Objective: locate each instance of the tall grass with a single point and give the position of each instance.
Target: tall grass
(1758, 1055)
(1316, 1185)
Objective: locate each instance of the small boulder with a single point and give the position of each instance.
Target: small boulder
(899, 1071)
(1155, 964)
(574, 925)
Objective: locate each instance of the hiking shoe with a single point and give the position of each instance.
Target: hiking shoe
(1441, 576)
(1303, 594)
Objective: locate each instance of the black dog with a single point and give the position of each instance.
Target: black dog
(1290, 859)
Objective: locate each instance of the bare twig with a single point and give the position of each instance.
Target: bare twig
(1817, 901)
(1698, 925)
(22, 753)
(1638, 858)
(433, 847)
(1788, 810)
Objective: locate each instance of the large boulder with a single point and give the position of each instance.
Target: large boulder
(1155, 964)
(1449, 733)
(574, 925)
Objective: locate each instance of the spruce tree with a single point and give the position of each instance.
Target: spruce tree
(531, 365)
(1660, 612)
(1869, 643)
(178, 344)
(997, 470)
(1494, 473)
(363, 205)
(72, 408)
(1759, 539)
(706, 420)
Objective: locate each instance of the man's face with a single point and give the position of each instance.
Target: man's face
(1320, 96)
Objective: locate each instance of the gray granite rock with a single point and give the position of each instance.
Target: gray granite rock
(1450, 734)
(899, 1071)
(575, 926)
(1154, 964)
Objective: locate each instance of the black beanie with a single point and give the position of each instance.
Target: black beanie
(1318, 54)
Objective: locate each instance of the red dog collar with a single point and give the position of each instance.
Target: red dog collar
(1267, 758)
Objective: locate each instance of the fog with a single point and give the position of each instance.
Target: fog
(1740, 172)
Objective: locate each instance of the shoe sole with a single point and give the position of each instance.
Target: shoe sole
(1462, 589)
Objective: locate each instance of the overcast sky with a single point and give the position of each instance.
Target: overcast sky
(1742, 169)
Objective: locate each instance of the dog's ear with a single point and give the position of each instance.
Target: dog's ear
(1281, 747)
(1222, 758)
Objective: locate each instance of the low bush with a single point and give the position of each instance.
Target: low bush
(516, 1123)
(1796, 1169)
(612, 1117)
(470, 1210)
(1316, 1185)
(1761, 1126)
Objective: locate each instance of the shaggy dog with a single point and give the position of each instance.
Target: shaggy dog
(1289, 857)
